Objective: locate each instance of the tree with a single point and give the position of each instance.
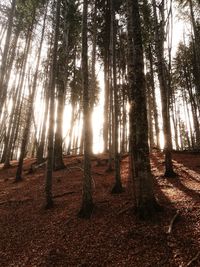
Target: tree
(30, 108)
(50, 152)
(87, 201)
(145, 202)
(164, 89)
(118, 185)
(5, 55)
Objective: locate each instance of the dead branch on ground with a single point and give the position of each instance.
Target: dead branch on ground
(193, 259)
(172, 222)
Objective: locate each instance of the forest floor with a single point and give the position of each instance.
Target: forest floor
(113, 236)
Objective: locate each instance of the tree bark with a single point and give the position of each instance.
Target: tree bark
(5, 55)
(58, 151)
(143, 189)
(18, 98)
(164, 90)
(30, 108)
(117, 188)
(50, 149)
(87, 201)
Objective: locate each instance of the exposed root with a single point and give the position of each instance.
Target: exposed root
(86, 210)
(58, 167)
(117, 189)
(18, 179)
(147, 210)
(170, 174)
(49, 205)
(109, 169)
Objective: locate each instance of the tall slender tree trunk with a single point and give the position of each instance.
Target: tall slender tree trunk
(155, 109)
(150, 117)
(187, 112)
(164, 90)
(61, 91)
(196, 49)
(118, 185)
(50, 149)
(93, 70)
(5, 55)
(41, 146)
(87, 201)
(72, 123)
(106, 136)
(58, 151)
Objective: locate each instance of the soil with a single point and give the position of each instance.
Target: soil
(113, 236)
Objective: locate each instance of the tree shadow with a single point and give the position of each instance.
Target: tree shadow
(189, 175)
(182, 243)
(195, 195)
(163, 199)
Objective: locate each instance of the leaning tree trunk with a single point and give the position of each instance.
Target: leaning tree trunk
(142, 177)
(87, 201)
(9, 64)
(5, 55)
(18, 99)
(50, 149)
(30, 109)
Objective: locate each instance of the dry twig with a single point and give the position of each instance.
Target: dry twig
(16, 201)
(172, 222)
(125, 210)
(64, 194)
(193, 259)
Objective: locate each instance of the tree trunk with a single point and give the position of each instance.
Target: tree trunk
(87, 201)
(150, 117)
(155, 110)
(196, 49)
(3, 92)
(50, 149)
(41, 146)
(164, 90)
(18, 99)
(93, 71)
(58, 151)
(106, 78)
(30, 109)
(142, 177)
(118, 185)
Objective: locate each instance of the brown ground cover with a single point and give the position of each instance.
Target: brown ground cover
(114, 236)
